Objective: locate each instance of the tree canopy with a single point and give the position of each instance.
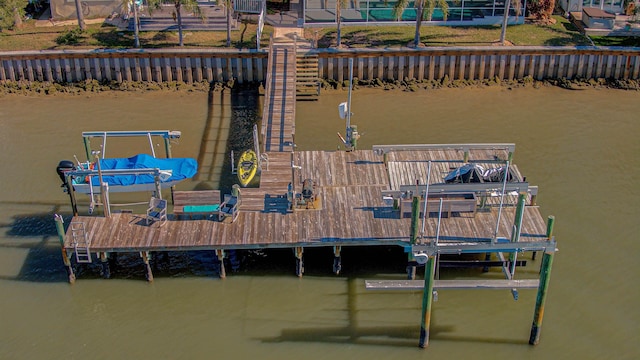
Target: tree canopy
(12, 13)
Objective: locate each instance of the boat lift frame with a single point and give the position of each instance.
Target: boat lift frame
(167, 135)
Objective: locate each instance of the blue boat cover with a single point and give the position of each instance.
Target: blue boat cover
(181, 168)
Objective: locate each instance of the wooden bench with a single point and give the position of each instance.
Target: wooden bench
(451, 202)
(204, 202)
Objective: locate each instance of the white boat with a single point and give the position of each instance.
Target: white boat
(141, 172)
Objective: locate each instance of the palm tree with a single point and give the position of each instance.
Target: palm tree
(516, 4)
(424, 11)
(80, 16)
(136, 21)
(228, 6)
(11, 13)
(340, 4)
(188, 5)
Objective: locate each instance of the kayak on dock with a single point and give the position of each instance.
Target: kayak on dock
(247, 167)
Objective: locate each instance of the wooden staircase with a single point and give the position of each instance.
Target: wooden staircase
(307, 82)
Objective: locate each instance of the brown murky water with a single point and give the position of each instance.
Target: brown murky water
(580, 147)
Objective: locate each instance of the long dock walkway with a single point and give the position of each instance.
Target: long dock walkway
(278, 123)
(278, 127)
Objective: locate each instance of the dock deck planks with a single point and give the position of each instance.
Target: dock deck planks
(352, 213)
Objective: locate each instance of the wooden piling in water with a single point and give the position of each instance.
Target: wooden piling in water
(337, 260)
(104, 262)
(220, 255)
(66, 258)
(545, 275)
(427, 300)
(146, 258)
(299, 263)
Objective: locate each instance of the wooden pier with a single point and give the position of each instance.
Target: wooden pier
(348, 198)
(350, 188)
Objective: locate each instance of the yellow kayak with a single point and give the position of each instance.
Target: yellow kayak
(247, 167)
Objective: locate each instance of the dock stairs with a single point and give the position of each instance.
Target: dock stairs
(80, 243)
(307, 81)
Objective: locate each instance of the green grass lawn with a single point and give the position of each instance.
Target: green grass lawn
(562, 33)
(103, 36)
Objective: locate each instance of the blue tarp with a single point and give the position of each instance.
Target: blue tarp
(181, 168)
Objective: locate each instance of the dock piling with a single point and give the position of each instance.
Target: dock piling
(104, 261)
(427, 300)
(545, 275)
(220, 255)
(337, 260)
(66, 258)
(299, 263)
(146, 258)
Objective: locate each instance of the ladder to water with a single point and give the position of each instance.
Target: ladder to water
(80, 242)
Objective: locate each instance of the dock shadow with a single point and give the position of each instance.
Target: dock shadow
(381, 212)
(400, 336)
(275, 204)
(36, 234)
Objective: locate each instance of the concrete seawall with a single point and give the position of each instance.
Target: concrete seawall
(242, 66)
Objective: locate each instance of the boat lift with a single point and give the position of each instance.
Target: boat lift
(67, 174)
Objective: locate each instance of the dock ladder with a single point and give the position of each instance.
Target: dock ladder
(80, 242)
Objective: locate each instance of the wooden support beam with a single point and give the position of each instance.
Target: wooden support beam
(381, 149)
(412, 285)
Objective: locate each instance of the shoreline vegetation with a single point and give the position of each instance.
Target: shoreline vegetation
(26, 88)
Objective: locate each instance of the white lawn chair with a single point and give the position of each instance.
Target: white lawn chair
(157, 211)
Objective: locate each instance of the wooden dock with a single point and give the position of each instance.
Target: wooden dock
(347, 198)
(353, 212)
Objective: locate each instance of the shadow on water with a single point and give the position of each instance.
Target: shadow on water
(353, 332)
(36, 233)
(245, 106)
(236, 111)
